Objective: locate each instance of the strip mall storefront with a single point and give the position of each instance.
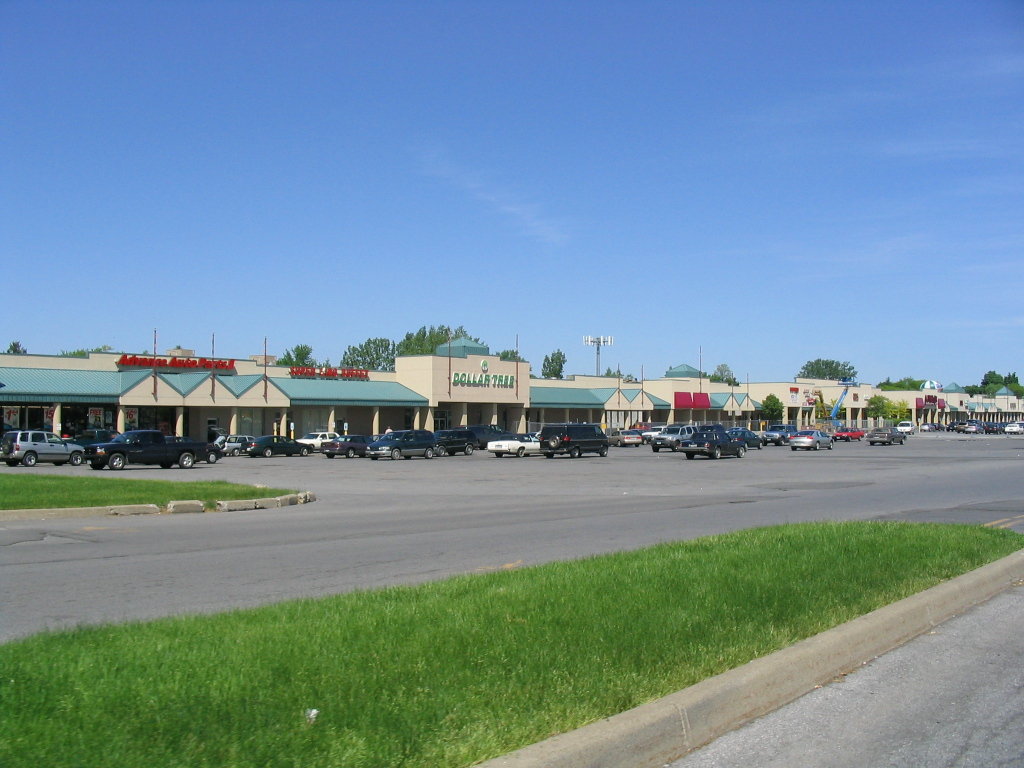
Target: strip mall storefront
(462, 383)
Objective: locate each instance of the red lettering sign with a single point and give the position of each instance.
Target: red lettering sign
(181, 363)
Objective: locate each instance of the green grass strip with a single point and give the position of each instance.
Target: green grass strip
(453, 672)
(50, 491)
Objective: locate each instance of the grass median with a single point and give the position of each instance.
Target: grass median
(47, 491)
(453, 672)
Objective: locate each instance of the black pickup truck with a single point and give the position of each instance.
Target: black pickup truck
(145, 446)
(714, 442)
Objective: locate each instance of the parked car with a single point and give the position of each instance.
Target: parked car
(848, 434)
(973, 429)
(931, 427)
(750, 439)
(648, 434)
(403, 444)
(779, 434)
(234, 445)
(671, 436)
(992, 428)
(276, 445)
(713, 442)
(906, 427)
(30, 446)
(93, 436)
(458, 440)
(1015, 428)
(573, 440)
(348, 446)
(810, 440)
(519, 446)
(885, 436)
(485, 433)
(146, 446)
(315, 440)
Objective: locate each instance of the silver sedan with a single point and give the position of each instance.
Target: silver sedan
(810, 440)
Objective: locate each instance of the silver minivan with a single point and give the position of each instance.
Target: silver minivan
(29, 447)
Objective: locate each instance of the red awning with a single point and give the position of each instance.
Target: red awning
(701, 400)
(942, 404)
(684, 400)
(920, 403)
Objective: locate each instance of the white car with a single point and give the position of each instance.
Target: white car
(315, 440)
(519, 446)
(647, 434)
(1014, 428)
(906, 427)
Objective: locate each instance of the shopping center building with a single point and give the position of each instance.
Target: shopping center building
(462, 383)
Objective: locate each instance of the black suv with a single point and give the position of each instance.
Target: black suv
(451, 441)
(403, 445)
(573, 439)
(485, 433)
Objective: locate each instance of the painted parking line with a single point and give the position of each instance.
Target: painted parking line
(1006, 522)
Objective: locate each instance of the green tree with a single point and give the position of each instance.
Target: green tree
(992, 378)
(772, 408)
(85, 352)
(881, 407)
(554, 365)
(377, 354)
(15, 348)
(901, 385)
(723, 373)
(827, 369)
(425, 341)
(300, 354)
(511, 355)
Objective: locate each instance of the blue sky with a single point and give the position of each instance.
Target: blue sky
(750, 183)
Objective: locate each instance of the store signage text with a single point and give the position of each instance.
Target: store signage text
(482, 380)
(312, 372)
(134, 361)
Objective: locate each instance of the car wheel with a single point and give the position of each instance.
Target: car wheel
(741, 452)
(520, 452)
(29, 459)
(654, 448)
(441, 450)
(236, 452)
(716, 452)
(373, 458)
(553, 442)
(792, 448)
(690, 455)
(328, 455)
(602, 451)
(760, 445)
(116, 461)
(396, 454)
(350, 453)
(428, 454)
(469, 450)
(575, 452)
(498, 454)
(186, 461)
(267, 453)
(76, 459)
(211, 457)
(817, 445)
(830, 445)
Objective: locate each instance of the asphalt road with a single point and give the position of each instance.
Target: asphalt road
(385, 522)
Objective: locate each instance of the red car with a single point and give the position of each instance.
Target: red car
(848, 434)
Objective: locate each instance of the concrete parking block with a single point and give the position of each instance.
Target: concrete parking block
(179, 507)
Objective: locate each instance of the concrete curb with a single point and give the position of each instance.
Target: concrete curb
(173, 507)
(661, 731)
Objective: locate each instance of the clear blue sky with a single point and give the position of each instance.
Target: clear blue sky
(750, 183)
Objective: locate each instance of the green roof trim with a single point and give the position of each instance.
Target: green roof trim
(239, 385)
(682, 371)
(462, 347)
(567, 397)
(184, 383)
(336, 392)
(1004, 391)
(719, 400)
(43, 385)
(657, 402)
(954, 387)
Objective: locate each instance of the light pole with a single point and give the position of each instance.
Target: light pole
(598, 341)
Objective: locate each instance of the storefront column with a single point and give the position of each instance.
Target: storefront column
(55, 426)
(179, 421)
(416, 417)
(282, 427)
(233, 425)
(428, 418)
(375, 421)
(120, 419)
(491, 411)
(521, 421)
(460, 414)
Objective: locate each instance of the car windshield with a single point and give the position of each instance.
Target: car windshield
(310, 436)
(806, 433)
